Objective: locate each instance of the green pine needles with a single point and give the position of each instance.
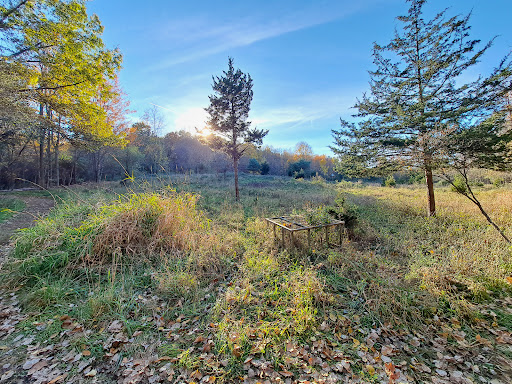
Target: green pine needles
(419, 109)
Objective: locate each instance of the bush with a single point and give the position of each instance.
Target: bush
(499, 182)
(459, 185)
(300, 169)
(254, 166)
(390, 181)
(325, 214)
(265, 168)
(416, 178)
(318, 180)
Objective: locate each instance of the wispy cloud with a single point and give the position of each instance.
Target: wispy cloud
(307, 108)
(197, 38)
(308, 118)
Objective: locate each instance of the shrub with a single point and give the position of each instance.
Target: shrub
(459, 185)
(416, 178)
(265, 168)
(499, 182)
(318, 180)
(299, 169)
(390, 181)
(254, 166)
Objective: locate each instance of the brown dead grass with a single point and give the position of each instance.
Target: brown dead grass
(151, 227)
(456, 253)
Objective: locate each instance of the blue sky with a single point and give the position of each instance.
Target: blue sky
(308, 59)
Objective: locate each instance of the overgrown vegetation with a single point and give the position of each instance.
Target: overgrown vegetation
(9, 207)
(171, 265)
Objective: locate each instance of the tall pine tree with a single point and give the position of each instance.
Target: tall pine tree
(228, 113)
(416, 96)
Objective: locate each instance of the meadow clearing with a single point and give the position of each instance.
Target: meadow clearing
(169, 280)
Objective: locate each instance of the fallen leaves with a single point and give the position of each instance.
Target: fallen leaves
(91, 373)
(340, 347)
(115, 327)
(7, 375)
(387, 350)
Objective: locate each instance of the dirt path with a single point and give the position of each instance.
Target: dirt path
(35, 207)
(16, 353)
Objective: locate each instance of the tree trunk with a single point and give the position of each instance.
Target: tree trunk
(96, 163)
(41, 145)
(57, 165)
(235, 167)
(430, 187)
(49, 173)
(72, 178)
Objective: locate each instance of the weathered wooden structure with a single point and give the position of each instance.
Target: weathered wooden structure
(291, 225)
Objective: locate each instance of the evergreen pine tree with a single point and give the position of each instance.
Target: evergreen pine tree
(416, 97)
(228, 113)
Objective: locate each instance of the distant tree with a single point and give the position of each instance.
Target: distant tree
(300, 169)
(416, 94)
(228, 113)
(276, 161)
(186, 152)
(155, 119)
(265, 168)
(150, 145)
(254, 166)
(303, 151)
(389, 182)
(322, 164)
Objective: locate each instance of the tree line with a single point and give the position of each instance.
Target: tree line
(58, 89)
(63, 114)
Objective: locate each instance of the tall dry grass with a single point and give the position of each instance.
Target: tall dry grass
(456, 252)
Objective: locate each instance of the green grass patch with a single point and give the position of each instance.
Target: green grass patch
(9, 207)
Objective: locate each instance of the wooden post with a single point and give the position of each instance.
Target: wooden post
(327, 235)
(339, 230)
(282, 236)
(275, 236)
(292, 245)
(309, 238)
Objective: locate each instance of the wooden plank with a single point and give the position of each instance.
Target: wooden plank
(293, 222)
(306, 228)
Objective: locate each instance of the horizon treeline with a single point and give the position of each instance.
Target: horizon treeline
(143, 152)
